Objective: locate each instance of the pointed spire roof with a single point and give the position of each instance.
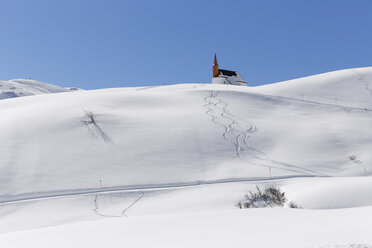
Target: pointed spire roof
(215, 60)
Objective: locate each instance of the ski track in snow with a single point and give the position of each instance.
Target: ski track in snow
(237, 131)
(95, 209)
(123, 213)
(345, 108)
(26, 197)
(148, 87)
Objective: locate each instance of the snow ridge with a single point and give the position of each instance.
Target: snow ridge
(27, 87)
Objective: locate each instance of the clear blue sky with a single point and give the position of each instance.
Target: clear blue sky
(111, 43)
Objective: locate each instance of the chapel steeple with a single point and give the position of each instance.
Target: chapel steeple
(215, 67)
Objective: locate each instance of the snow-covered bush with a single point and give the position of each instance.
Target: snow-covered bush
(262, 198)
(292, 204)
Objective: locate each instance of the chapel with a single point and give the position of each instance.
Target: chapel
(221, 76)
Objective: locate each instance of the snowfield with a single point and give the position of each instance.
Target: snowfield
(165, 166)
(254, 228)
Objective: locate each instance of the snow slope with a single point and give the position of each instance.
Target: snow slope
(264, 228)
(27, 87)
(172, 135)
(183, 149)
(350, 87)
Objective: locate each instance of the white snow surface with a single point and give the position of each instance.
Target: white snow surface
(27, 87)
(169, 163)
(245, 228)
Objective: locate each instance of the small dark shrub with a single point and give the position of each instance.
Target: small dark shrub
(292, 204)
(262, 198)
(352, 157)
(90, 118)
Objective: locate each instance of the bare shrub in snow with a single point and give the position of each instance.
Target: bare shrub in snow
(292, 204)
(94, 129)
(354, 159)
(90, 118)
(263, 198)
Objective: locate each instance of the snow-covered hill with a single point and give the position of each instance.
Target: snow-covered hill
(27, 87)
(351, 87)
(187, 148)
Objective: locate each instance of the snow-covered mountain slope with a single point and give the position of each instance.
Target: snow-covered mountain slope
(175, 135)
(184, 148)
(27, 87)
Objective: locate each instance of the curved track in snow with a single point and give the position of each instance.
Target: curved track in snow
(123, 212)
(343, 107)
(238, 130)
